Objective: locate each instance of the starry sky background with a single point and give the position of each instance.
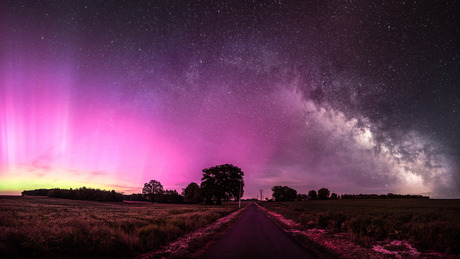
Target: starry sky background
(354, 96)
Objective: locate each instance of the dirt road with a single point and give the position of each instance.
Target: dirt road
(254, 235)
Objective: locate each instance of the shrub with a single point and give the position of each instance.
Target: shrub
(152, 235)
(306, 219)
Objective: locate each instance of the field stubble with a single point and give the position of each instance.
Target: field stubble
(42, 226)
(428, 225)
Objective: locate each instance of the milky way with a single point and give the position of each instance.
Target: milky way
(354, 96)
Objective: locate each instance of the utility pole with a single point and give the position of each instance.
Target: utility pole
(239, 200)
(261, 195)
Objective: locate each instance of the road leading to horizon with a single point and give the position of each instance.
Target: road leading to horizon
(254, 235)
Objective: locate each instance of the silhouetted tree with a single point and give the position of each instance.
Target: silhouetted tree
(284, 193)
(323, 194)
(152, 189)
(312, 195)
(334, 196)
(191, 193)
(222, 182)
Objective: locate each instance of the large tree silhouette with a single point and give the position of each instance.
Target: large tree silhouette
(152, 189)
(222, 182)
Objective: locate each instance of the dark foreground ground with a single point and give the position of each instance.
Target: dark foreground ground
(43, 227)
(37, 227)
(256, 236)
(431, 226)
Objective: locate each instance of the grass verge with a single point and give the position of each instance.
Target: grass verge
(428, 225)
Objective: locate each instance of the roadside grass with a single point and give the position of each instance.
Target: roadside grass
(429, 225)
(49, 227)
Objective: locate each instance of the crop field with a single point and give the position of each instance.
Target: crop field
(429, 225)
(50, 227)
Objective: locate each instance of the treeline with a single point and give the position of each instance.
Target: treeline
(219, 183)
(36, 192)
(82, 193)
(382, 196)
(163, 196)
(134, 197)
(285, 193)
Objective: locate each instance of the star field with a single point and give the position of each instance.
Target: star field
(354, 96)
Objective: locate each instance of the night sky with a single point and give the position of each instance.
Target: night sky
(354, 96)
